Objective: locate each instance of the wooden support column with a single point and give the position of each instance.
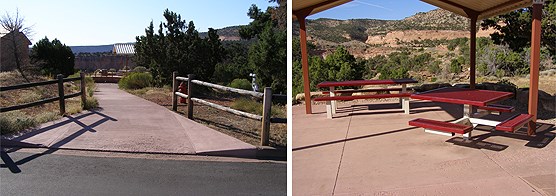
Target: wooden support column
(189, 96)
(174, 89)
(304, 59)
(535, 60)
(267, 106)
(83, 90)
(472, 50)
(61, 98)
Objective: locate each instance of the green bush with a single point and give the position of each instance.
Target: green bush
(397, 66)
(338, 66)
(482, 69)
(458, 42)
(90, 86)
(136, 81)
(90, 103)
(139, 69)
(455, 65)
(241, 84)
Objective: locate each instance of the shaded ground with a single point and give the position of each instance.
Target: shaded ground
(245, 129)
(369, 149)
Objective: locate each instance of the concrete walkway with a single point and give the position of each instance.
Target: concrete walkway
(128, 123)
(369, 149)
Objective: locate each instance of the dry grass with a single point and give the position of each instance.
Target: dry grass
(256, 107)
(19, 120)
(244, 129)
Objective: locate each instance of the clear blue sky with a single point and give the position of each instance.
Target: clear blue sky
(76, 22)
(375, 9)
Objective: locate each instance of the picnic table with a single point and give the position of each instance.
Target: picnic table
(332, 98)
(483, 100)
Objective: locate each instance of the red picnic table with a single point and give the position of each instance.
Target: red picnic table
(482, 99)
(332, 98)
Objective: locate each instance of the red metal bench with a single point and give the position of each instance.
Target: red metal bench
(515, 123)
(366, 82)
(347, 98)
(440, 126)
(364, 90)
(497, 108)
(331, 100)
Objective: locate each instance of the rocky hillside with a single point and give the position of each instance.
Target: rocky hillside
(226, 33)
(370, 37)
(437, 19)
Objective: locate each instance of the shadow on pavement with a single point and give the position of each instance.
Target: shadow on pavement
(8, 162)
(391, 108)
(351, 139)
(12, 166)
(541, 139)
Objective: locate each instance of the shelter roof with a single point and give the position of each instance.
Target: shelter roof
(314, 6)
(482, 8)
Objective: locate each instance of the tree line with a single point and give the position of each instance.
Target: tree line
(177, 46)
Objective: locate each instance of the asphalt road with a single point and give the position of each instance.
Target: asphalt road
(24, 173)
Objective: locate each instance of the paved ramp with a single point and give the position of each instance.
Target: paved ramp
(128, 123)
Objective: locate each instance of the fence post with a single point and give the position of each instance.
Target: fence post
(174, 89)
(267, 104)
(61, 94)
(83, 90)
(189, 95)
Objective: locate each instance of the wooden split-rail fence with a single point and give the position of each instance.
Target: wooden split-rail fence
(267, 97)
(61, 97)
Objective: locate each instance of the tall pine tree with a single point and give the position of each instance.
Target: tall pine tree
(178, 47)
(268, 55)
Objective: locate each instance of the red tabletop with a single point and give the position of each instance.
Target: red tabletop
(366, 82)
(463, 96)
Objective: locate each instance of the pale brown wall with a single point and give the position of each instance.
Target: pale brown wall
(7, 58)
(92, 63)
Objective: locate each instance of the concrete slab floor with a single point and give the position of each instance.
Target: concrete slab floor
(369, 149)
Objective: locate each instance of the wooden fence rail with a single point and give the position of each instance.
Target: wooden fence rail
(61, 97)
(267, 97)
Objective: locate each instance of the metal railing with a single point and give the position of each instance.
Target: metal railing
(61, 96)
(267, 97)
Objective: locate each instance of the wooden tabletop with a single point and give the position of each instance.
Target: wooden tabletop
(366, 82)
(463, 96)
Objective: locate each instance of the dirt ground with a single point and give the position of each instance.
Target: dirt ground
(244, 129)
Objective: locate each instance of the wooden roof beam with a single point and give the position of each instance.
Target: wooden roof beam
(470, 12)
(306, 11)
(499, 6)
